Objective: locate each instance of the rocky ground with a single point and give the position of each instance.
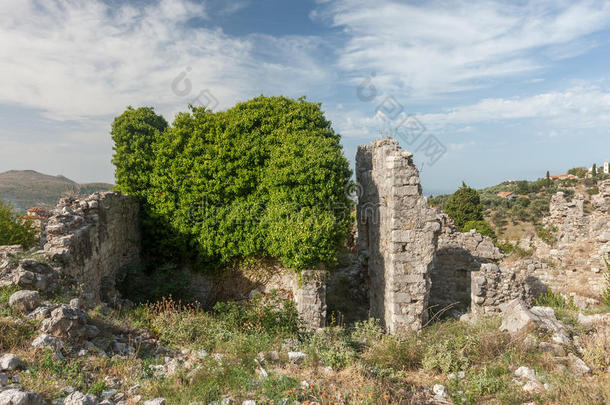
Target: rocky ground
(58, 346)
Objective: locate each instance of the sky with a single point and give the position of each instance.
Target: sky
(479, 91)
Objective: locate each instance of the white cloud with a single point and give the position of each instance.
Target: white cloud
(76, 59)
(438, 47)
(576, 107)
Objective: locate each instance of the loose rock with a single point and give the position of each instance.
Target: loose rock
(9, 362)
(20, 397)
(25, 300)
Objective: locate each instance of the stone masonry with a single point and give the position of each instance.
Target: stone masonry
(574, 265)
(92, 238)
(415, 257)
(458, 256)
(398, 234)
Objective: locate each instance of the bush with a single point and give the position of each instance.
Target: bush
(481, 227)
(464, 205)
(556, 301)
(547, 235)
(15, 230)
(265, 178)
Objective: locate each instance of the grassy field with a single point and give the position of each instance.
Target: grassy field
(242, 351)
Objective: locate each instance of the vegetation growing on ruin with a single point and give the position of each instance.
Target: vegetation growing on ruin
(265, 178)
(14, 229)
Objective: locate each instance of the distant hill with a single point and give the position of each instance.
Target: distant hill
(28, 188)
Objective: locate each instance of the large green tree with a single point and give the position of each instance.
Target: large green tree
(264, 178)
(464, 205)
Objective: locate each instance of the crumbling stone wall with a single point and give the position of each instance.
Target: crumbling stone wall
(458, 256)
(397, 235)
(492, 286)
(416, 259)
(574, 264)
(307, 289)
(92, 238)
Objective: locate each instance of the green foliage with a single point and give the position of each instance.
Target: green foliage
(523, 253)
(263, 313)
(332, 348)
(265, 178)
(481, 227)
(506, 247)
(592, 190)
(15, 230)
(547, 234)
(134, 134)
(464, 205)
(554, 300)
(400, 353)
(579, 172)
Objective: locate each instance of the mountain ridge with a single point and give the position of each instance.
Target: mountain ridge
(27, 188)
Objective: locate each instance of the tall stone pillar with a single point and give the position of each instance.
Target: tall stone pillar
(397, 235)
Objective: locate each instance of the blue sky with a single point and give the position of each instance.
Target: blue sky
(507, 89)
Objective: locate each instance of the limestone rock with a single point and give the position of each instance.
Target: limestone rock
(15, 396)
(156, 401)
(25, 300)
(577, 366)
(516, 317)
(9, 362)
(78, 398)
(66, 322)
(297, 357)
(526, 373)
(45, 341)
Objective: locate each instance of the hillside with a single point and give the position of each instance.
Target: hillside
(28, 188)
(512, 218)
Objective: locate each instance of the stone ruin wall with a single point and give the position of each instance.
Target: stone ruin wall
(397, 235)
(93, 238)
(574, 265)
(458, 255)
(307, 290)
(415, 257)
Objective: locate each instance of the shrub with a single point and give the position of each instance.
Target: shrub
(332, 348)
(506, 247)
(464, 205)
(265, 178)
(547, 235)
(15, 230)
(481, 227)
(554, 300)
